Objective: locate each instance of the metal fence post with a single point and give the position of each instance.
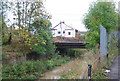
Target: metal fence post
(89, 71)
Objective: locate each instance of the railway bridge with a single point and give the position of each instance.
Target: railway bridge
(70, 44)
(62, 47)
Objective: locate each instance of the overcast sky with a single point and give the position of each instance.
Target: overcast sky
(70, 11)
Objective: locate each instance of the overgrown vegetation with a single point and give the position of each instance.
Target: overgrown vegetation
(113, 51)
(31, 26)
(28, 30)
(31, 69)
(75, 52)
(100, 13)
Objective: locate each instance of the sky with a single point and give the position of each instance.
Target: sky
(70, 11)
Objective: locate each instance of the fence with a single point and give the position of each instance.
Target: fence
(103, 52)
(88, 71)
(103, 42)
(105, 39)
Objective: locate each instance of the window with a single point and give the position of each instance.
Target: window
(69, 33)
(59, 32)
(63, 32)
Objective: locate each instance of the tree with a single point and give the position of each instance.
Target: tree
(100, 13)
(33, 26)
(42, 42)
(3, 26)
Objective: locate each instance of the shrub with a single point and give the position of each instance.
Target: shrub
(30, 69)
(75, 52)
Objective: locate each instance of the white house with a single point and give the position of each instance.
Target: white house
(63, 30)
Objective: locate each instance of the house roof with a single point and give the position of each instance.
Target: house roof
(60, 24)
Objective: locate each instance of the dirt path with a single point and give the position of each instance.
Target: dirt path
(74, 68)
(115, 69)
(55, 74)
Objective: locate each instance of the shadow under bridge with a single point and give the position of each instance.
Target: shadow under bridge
(70, 44)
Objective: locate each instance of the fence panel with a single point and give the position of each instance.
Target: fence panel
(103, 41)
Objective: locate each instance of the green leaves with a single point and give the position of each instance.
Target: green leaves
(40, 23)
(30, 69)
(100, 13)
(31, 26)
(42, 42)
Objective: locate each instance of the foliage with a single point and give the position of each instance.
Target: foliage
(43, 35)
(75, 52)
(5, 34)
(30, 69)
(99, 75)
(100, 13)
(31, 26)
(113, 50)
(3, 26)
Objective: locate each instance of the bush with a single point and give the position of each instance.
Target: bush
(30, 69)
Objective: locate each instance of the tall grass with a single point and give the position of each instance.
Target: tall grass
(81, 65)
(99, 73)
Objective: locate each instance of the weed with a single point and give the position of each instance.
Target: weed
(30, 69)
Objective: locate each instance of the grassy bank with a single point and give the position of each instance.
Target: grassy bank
(21, 68)
(31, 69)
(78, 72)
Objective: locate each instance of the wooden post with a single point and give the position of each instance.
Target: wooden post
(89, 71)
